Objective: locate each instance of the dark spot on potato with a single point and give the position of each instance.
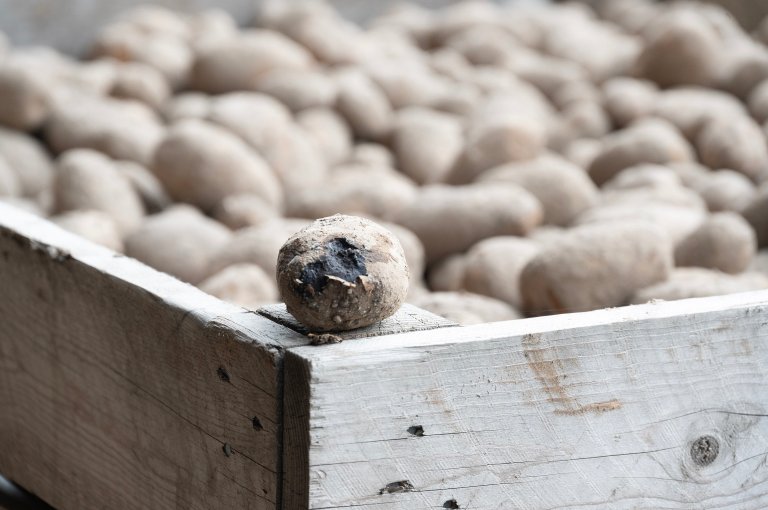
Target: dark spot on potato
(451, 503)
(342, 259)
(256, 423)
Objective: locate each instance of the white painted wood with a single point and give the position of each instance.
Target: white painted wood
(123, 388)
(603, 409)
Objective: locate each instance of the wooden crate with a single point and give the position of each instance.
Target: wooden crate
(122, 388)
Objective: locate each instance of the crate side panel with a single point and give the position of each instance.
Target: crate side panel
(115, 395)
(657, 406)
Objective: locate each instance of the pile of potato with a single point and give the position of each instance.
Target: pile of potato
(531, 160)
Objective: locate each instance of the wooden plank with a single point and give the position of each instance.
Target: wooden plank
(407, 318)
(123, 388)
(653, 406)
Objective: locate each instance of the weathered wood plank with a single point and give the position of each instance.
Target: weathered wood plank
(653, 406)
(407, 318)
(123, 388)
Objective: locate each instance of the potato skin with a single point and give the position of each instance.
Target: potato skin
(594, 267)
(725, 241)
(647, 141)
(342, 273)
(201, 163)
(180, 241)
(470, 213)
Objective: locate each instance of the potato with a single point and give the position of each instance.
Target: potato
(497, 142)
(355, 189)
(256, 245)
(371, 154)
(241, 62)
(458, 17)
(674, 220)
(548, 74)
(628, 100)
(690, 282)
(470, 213)
(265, 125)
(726, 190)
(342, 273)
(725, 241)
(363, 104)
(448, 274)
(201, 163)
(459, 99)
(9, 182)
(692, 174)
(141, 82)
(582, 152)
(631, 15)
(466, 308)
(736, 143)
(96, 226)
(26, 95)
(647, 141)
(86, 180)
(675, 195)
(564, 190)
(484, 45)
(28, 159)
(758, 102)
(518, 101)
(296, 160)
(413, 249)
(426, 144)
(244, 210)
(412, 19)
(246, 285)
(573, 93)
(682, 49)
(760, 262)
(747, 67)
(154, 19)
(644, 176)
(129, 43)
(493, 267)
(328, 37)
(406, 81)
(188, 105)
(210, 25)
(298, 89)
(593, 267)
(179, 241)
(120, 129)
(688, 109)
(597, 47)
(149, 189)
(585, 119)
(329, 132)
(756, 213)
(258, 119)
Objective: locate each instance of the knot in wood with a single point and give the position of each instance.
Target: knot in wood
(704, 450)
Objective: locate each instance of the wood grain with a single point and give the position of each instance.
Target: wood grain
(653, 406)
(123, 388)
(407, 318)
